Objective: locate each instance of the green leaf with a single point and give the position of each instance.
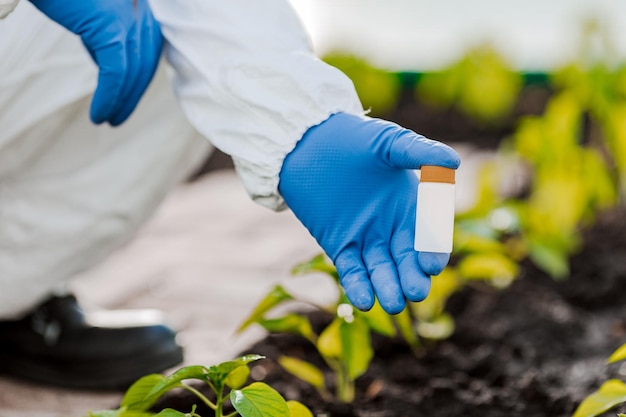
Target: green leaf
(489, 86)
(134, 413)
(618, 355)
(438, 89)
(349, 343)
(437, 328)
(276, 296)
(496, 267)
(329, 342)
(136, 397)
(170, 412)
(316, 264)
(259, 400)
(379, 321)
(219, 373)
(356, 346)
(610, 394)
(306, 371)
(404, 321)
(442, 287)
(487, 198)
(482, 84)
(290, 323)
(465, 241)
(237, 377)
(601, 188)
(377, 89)
(297, 409)
(174, 380)
(552, 260)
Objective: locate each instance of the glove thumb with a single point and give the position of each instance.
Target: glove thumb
(408, 150)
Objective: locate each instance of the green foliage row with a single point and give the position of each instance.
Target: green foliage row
(254, 400)
(345, 342)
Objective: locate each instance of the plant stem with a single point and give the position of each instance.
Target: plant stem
(211, 385)
(345, 386)
(220, 402)
(233, 414)
(325, 394)
(200, 395)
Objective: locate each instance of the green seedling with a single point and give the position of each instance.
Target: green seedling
(378, 89)
(609, 395)
(344, 344)
(227, 381)
(480, 84)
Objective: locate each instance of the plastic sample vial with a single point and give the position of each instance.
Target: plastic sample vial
(434, 217)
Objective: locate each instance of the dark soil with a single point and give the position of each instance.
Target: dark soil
(535, 349)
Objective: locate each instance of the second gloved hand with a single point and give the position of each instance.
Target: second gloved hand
(350, 182)
(123, 39)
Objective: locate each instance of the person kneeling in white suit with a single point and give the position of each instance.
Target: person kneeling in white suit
(245, 80)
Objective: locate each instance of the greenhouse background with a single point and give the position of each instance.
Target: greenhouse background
(418, 35)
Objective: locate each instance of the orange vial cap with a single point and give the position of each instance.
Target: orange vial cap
(431, 173)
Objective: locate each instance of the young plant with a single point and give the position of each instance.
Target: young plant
(255, 400)
(480, 84)
(378, 89)
(344, 344)
(609, 395)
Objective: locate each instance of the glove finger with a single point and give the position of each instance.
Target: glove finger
(127, 101)
(414, 280)
(384, 277)
(354, 279)
(111, 60)
(144, 50)
(433, 263)
(409, 150)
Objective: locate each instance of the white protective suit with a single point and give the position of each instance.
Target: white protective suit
(246, 79)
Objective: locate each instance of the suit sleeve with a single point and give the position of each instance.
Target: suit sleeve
(249, 81)
(6, 7)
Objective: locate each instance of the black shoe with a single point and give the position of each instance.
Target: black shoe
(60, 345)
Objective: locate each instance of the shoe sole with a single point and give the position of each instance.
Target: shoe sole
(115, 374)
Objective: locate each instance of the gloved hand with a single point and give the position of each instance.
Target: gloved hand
(349, 181)
(123, 39)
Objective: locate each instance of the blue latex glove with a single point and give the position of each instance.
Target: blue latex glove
(123, 39)
(349, 181)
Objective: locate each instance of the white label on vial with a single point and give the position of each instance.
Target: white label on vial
(434, 220)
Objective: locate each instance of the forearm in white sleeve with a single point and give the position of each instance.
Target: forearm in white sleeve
(248, 80)
(6, 7)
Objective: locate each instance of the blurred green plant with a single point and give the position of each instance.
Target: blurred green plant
(574, 154)
(254, 400)
(609, 395)
(344, 343)
(481, 84)
(378, 89)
